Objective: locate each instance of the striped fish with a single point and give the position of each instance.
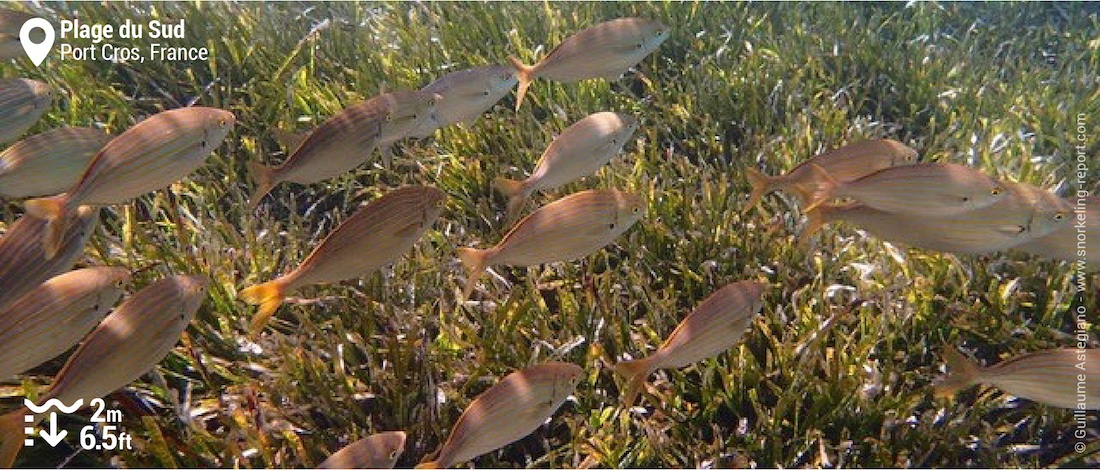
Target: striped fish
(48, 163)
(54, 316)
(11, 22)
(374, 237)
(468, 93)
(149, 156)
(606, 50)
(346, 139)
(1024, 214)
(23, 263)
(844, 164)
(130, 341)
(22, 102)
(933, 189)
(375, 451)
(1064, 243)
(579, 151)
(1051, 377)
(564, 230)
(714, 326)
(508, 411)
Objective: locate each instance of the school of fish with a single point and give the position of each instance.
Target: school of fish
(65, 175)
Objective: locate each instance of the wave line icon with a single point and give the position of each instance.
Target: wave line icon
(53, 402)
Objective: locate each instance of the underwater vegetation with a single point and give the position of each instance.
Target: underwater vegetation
(836, 369)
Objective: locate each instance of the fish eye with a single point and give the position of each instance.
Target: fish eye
(222, 123)
(966, 199)
(487, 93)
(639, 46)
(611, 226)
(1059, 217)
(636, 210)
(995, 191)
(393, 455)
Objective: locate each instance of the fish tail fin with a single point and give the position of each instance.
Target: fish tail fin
(474, 260)
(817, 217)
(826, 187)
(11, 431)
(513, 190)
(761, 184)
(635, 372)
(524, 74)
(269, 296)
(52, 210)
(265, 182)
(430, 464)
(961, 373)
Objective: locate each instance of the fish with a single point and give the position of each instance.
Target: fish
(1064, 244)
(1050, 376)
(22, 102)
(606, 50)
(129, 342)
(151, 155)
(564, 230)
(508, 411)
(843, 164)
(23, 262)
(372, 238)
(345, 140)
(48, 163)
(579, 151)
(468, 93)
(714, 326)
(1024, 214)
(375, 451)
(934, 189)
(11, 23)
(53, 317)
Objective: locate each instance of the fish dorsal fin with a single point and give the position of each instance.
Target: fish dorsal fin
(289, 140)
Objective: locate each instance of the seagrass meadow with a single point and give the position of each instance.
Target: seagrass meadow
(837, 369)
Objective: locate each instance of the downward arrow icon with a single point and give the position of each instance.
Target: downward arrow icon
(54, 437)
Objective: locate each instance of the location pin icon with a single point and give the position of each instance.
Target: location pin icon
(37, 52)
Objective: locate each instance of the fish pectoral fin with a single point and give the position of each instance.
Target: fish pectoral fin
(1012, 230)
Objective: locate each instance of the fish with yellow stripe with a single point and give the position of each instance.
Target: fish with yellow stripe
(564, 230)
(714, 326)
(1064, 243)
(579, 151)
(22, 102)
(508, 411)
(48, 163)
(372, 238)
(1024, 214)
(606, 50)
(844, 164)
(468, 93)
(345, 140)
(931, 189)
(23, 261)
(379, 450)
(151, 155)
(1051, 377)
(53, 317)
(127, 343)
(11, 23)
